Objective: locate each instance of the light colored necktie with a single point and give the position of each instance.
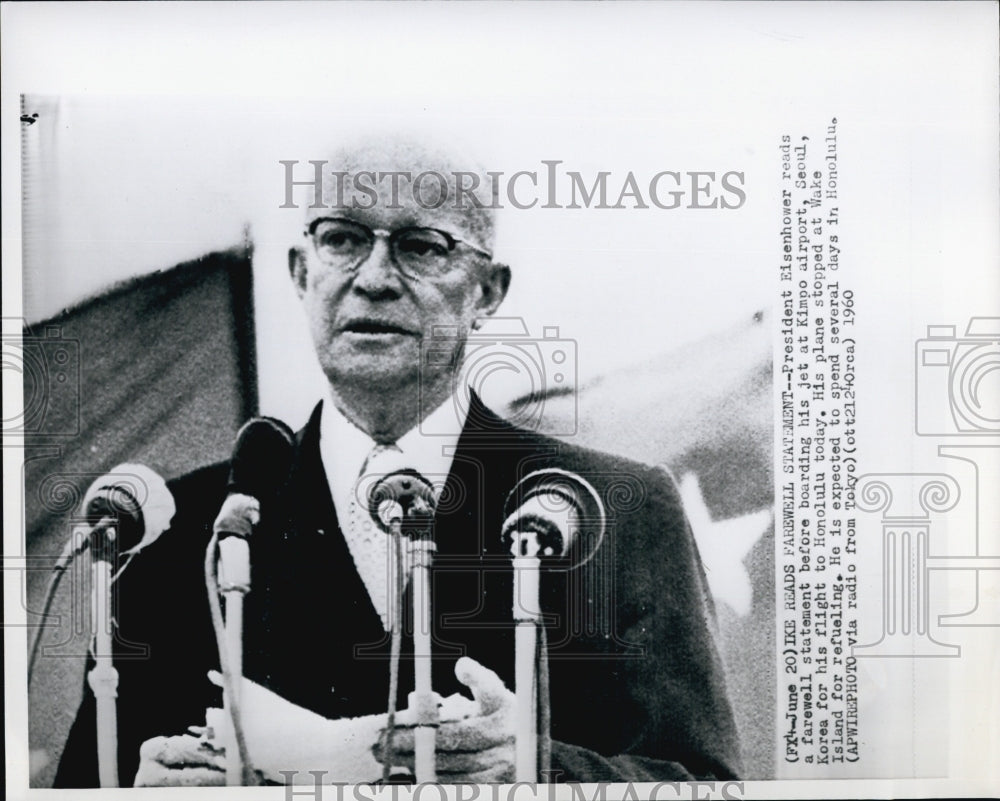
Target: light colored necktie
(370, 547)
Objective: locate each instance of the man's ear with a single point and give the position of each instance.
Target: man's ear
(495, 284)
(297, 269)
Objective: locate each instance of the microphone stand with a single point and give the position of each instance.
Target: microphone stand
(260, 464)
(234, 583)
(427, 716)
(527, 620)
(103, 677)
(402, 503)
(544, 515)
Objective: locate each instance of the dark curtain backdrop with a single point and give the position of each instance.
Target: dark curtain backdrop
(159, 370)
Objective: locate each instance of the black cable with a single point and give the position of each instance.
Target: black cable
(50, 595)
(218, 626)
(62, 564)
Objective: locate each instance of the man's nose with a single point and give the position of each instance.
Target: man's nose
(377, 274)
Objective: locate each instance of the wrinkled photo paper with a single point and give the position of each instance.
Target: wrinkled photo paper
(730, 269)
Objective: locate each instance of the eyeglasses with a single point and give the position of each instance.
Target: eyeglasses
(418, 252)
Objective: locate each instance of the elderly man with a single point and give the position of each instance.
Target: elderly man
(383, 268)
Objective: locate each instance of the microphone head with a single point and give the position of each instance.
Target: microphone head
(262, 458)
(138, 500)
(561, 511)
(402, 495)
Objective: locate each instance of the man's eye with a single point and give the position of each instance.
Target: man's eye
(422, 247)
(340, 240)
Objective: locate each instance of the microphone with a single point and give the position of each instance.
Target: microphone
(130, 505)
(131, 500)
(402, 503)
(553, 518)
(262, 457)
(258, 470)
(401, 495)
(555, 515)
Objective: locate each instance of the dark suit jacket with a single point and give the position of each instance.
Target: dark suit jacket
(637, 688)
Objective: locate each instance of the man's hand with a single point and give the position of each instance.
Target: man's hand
(475, 740)
(478, 748)
(181, 761)
(280, 737)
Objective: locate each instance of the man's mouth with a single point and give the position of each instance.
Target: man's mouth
(375, 328)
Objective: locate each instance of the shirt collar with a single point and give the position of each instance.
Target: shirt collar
(428, 448)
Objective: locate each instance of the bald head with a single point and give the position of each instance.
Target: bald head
(411, 181)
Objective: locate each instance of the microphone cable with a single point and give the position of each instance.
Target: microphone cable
(58, 570)
(250, 777)
(50, 594)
